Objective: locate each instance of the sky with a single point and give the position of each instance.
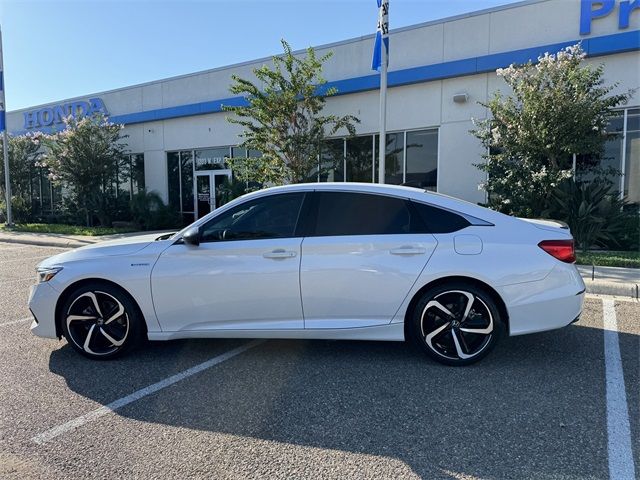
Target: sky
(55, 50)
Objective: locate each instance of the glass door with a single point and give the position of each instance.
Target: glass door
(204, 200)
(209, 194)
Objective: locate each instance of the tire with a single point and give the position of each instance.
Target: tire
(101, 321)
(456, 323)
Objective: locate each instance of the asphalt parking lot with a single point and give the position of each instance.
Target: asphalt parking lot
(541, 406)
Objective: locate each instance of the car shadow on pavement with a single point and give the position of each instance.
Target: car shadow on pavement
(534, 408)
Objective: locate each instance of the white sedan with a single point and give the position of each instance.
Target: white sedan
(319, 261)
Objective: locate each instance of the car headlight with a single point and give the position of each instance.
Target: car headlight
(47, 273)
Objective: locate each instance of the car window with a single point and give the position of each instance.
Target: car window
(437, 220)
(274, 216)
(347, 213)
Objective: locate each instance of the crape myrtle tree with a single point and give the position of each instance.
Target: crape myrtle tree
(23, 155)
(283, 119)
(88, 157)
(559, 107)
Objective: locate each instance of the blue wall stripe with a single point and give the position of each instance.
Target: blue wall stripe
(597, 46)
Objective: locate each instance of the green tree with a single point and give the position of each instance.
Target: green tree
(283, 119)
(559, 107)
(23, 160)
(88, 157)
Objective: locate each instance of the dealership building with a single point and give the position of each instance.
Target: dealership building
(439, 72)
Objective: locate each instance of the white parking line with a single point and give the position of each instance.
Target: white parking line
(14, 322)
(22, 247)
(621, 465)
(137, 395)
(13, 280)
(25, 258)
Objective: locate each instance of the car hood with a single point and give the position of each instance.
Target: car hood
(121, 246)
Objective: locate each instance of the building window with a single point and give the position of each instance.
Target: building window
(173, 180)
(422, 159)
(411, 157)
(186, 184)
(359, 157)
(393, 159)
(212, 158)
(631, 180)
(181, 169)
(136, 162)
(180, 183)
(129, 178)
(332, 160)
(622, 153)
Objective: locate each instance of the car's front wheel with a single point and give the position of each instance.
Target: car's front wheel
(456, 323)
(101, 321)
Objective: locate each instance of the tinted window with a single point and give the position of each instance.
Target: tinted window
(422, 159)
(268, 217)
(360, 214)
(437, 220)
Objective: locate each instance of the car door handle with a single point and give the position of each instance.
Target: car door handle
(408, 250)
(279, 253)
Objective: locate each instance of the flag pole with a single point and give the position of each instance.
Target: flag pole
(5, 140)
(382, 142)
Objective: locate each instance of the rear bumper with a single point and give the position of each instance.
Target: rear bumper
(42, 303)
(554, 302)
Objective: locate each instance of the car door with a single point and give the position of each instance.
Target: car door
(243, 275)
(360, 259)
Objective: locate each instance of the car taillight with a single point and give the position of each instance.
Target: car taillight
(563, 250)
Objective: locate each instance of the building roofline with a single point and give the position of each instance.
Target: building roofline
(416, 26)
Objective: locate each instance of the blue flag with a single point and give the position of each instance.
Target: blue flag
(382, 35)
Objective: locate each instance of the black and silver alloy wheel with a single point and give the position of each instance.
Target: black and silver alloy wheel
(100, 321)
(457, 325)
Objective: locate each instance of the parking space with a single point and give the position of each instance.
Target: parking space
(537, 407)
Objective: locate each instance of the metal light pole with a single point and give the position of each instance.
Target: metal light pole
(383, 27)
(5, 140)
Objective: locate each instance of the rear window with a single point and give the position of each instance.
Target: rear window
(437, 220)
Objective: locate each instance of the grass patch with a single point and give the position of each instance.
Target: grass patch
(66, 229)
(609, 259)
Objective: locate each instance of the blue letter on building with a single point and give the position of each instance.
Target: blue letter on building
(625, 12)
(96, 105)
(588, 13)
(31, 119)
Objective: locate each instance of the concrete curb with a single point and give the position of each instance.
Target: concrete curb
(66, 241)
(599, 287)
(48, 243)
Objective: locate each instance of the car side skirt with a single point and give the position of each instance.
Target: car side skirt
(392, 332)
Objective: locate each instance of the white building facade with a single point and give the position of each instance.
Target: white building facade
(439, 72)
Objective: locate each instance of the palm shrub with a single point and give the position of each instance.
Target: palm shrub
(149, 212)
(593, 211)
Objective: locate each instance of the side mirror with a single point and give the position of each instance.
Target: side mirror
(192, 236)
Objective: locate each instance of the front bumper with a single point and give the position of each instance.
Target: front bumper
(42, 303)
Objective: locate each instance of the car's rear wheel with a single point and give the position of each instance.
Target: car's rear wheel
(101, 321)
(456, 323)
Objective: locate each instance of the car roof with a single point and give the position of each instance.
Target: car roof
(418, 194)
(398, 190)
